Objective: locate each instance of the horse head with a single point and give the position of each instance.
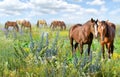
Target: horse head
(94, 27)
(102, 29)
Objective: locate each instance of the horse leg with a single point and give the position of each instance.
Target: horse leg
(109, 51)
(81, 49)
(71, 42)
(7, 28)
(30, 28)
(76, 45)
(52, 27)
(6, 31)
(16, 28)
(103, 51)
(61, 27)
(106, 46)
(112, 48)
(89, 45)
(21, 27)
(64, 27)
(37, 24)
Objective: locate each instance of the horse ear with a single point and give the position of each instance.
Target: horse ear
(92, 20)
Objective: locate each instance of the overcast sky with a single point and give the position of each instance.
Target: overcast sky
(71, 11)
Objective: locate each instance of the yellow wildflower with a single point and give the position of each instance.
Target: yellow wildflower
(116, 56)
(27, 49)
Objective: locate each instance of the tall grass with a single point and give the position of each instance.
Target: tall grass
(47, 53)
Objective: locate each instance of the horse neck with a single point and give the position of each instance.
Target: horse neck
(87, 28)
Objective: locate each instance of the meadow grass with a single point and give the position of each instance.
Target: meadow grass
(47, 53)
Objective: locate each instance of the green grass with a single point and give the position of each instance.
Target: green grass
(42, 55)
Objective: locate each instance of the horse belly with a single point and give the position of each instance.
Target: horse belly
(76, 38)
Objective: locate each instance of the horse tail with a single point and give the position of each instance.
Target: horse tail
(6, 26)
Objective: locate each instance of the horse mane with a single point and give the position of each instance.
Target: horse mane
(76, 25)
(87, 22)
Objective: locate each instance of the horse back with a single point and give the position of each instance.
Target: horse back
(111, 31)
(111, 24)
(74, 28)
(10, 23)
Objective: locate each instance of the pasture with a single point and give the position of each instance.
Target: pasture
(47, 53)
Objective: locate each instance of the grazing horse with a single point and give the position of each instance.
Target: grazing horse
(26, 24)
(83, 34)
(41, 22)
(59, 24)
(106, 31)
(11, 24)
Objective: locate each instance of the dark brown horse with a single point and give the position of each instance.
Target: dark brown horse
(59, 24)
(26, 24)
(106, 31)
(42, 23)
(83, 34)
(11, 24)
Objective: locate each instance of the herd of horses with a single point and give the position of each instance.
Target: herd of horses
(80, 33)
(26, 24)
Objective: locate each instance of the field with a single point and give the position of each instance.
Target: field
(47, 53)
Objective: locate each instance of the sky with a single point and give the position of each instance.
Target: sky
(69, 11)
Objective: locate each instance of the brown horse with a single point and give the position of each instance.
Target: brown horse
(42, 23)
(106, 31)
(26, 24)
(59, 24)
(83, 34)
(11, 24)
